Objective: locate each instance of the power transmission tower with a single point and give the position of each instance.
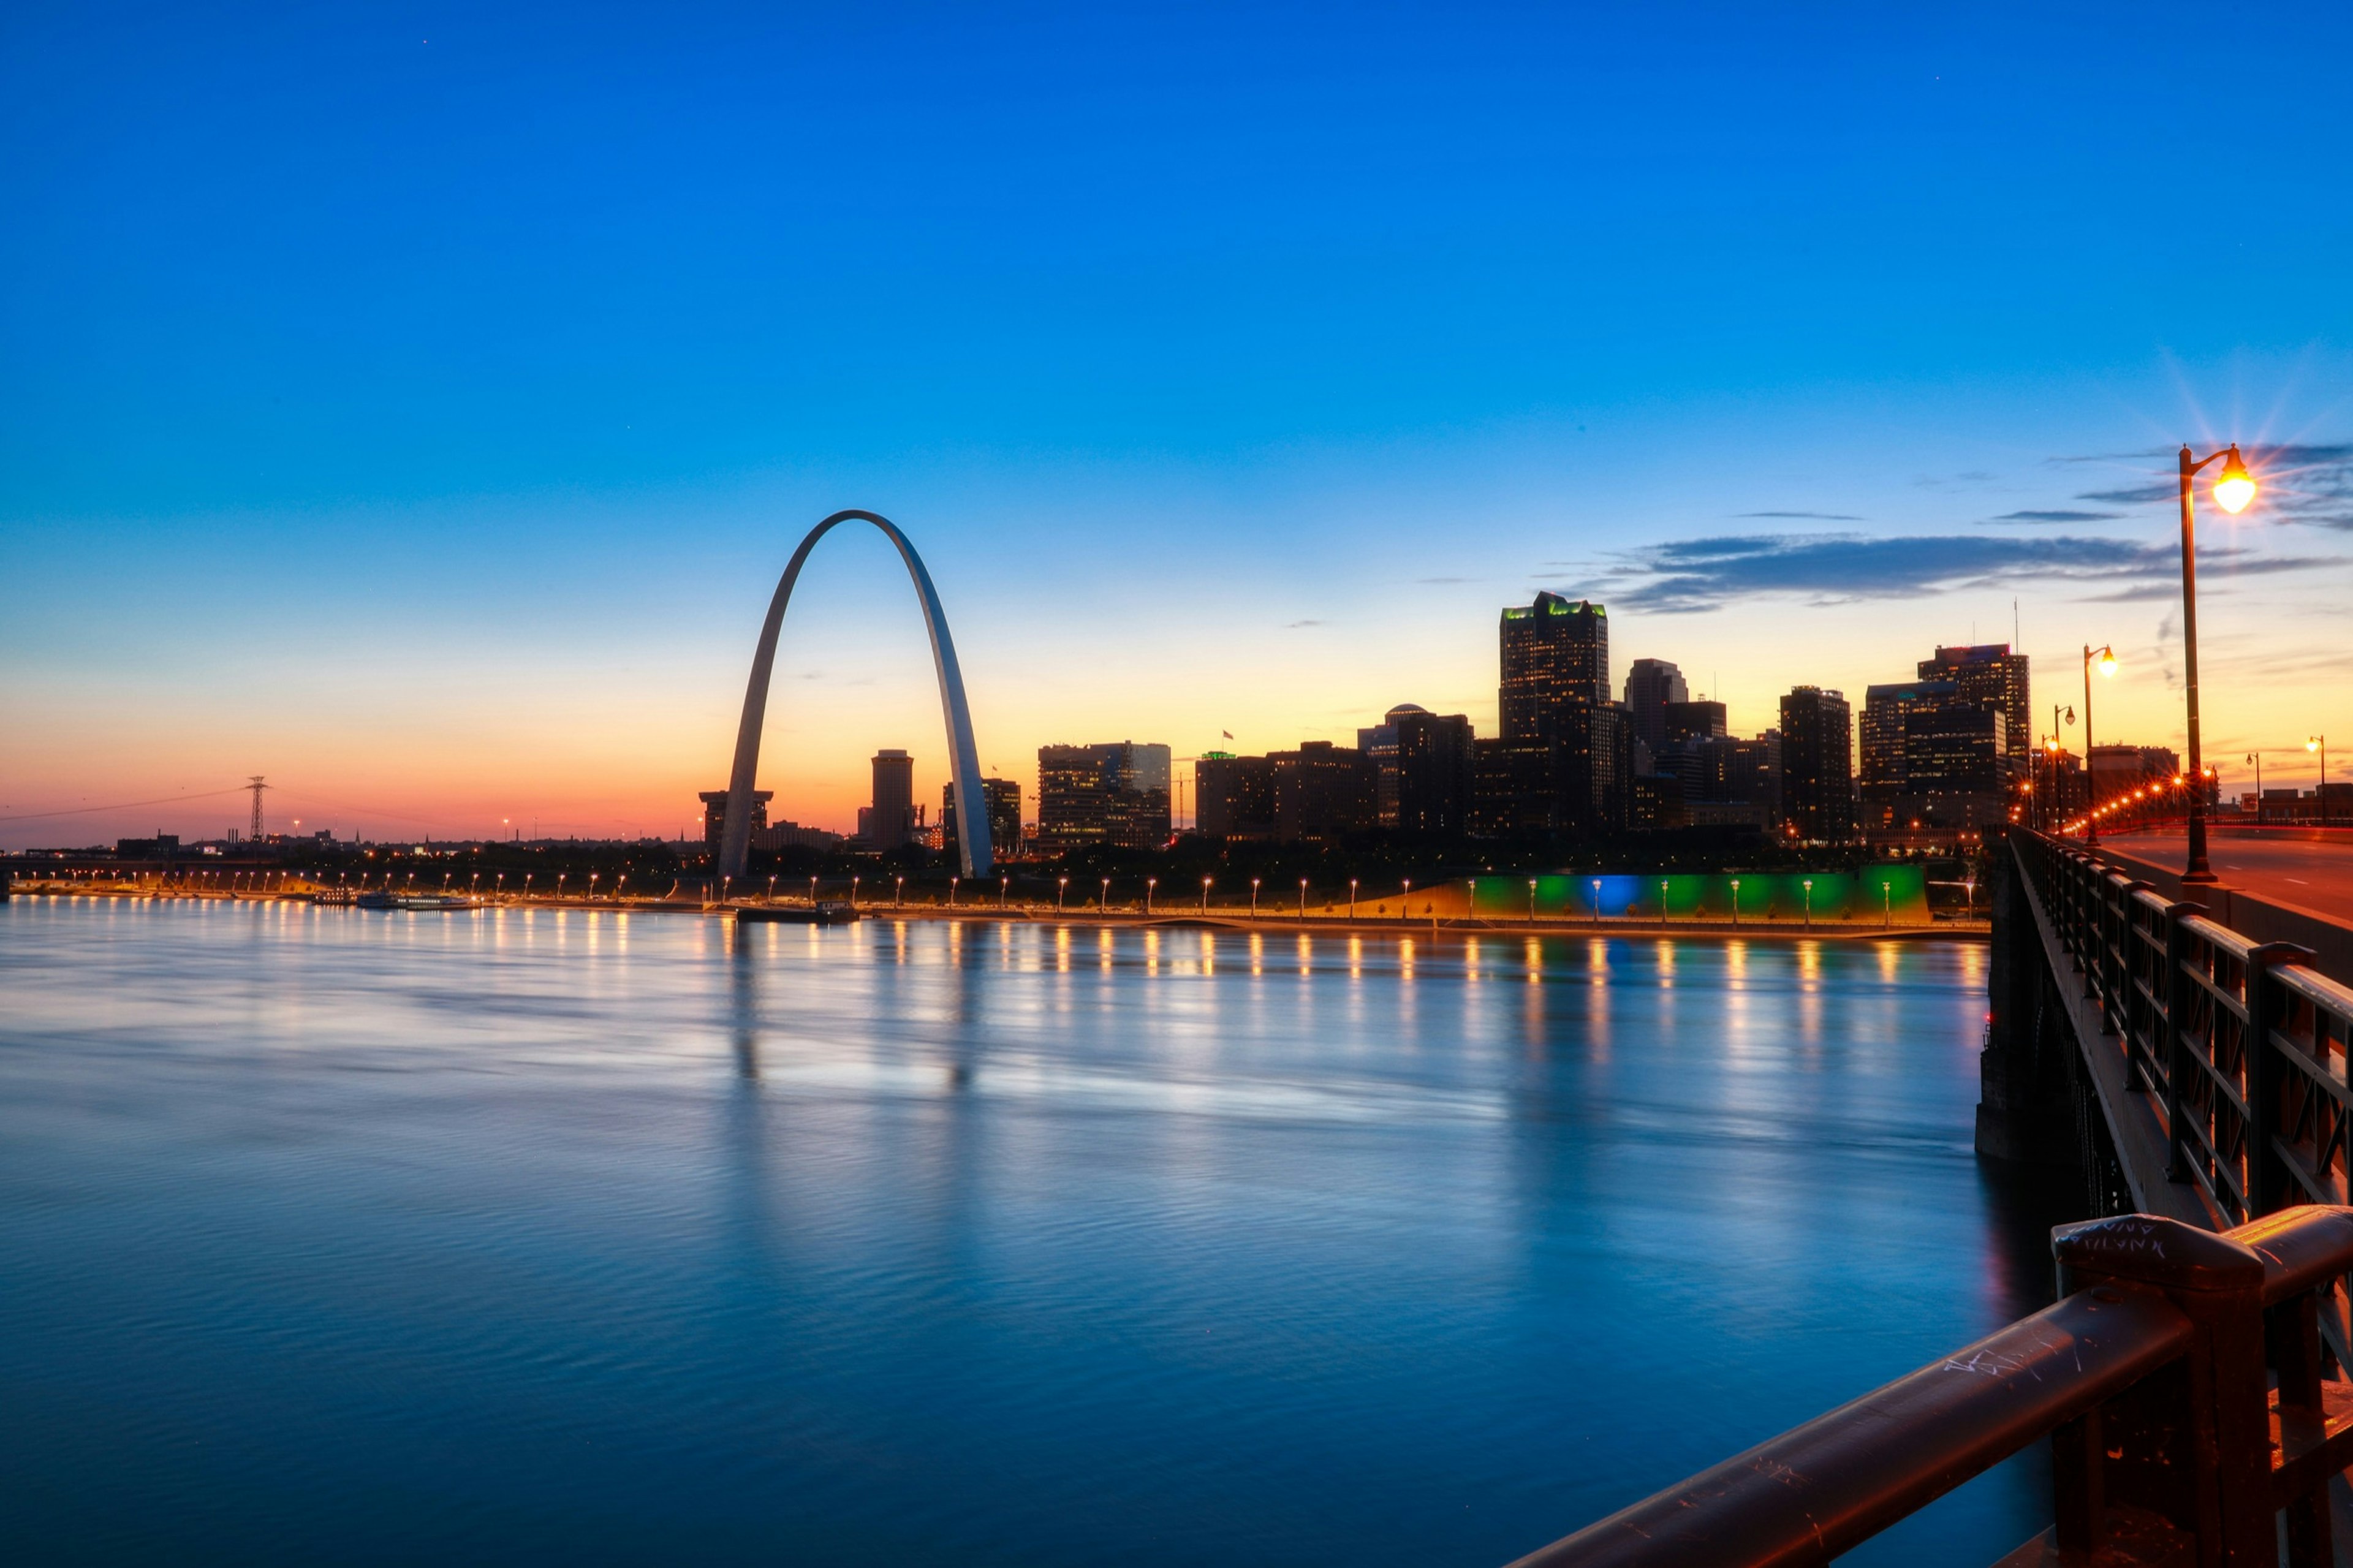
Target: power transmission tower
(256, 786)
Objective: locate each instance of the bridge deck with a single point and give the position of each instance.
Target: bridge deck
(2306, 873)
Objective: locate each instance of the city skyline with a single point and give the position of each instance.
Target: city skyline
(436, 462)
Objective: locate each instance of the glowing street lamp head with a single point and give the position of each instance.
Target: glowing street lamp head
(2107, 661)
(2311, 742)
(2236, 486)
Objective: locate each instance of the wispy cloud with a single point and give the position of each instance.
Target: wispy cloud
(1295, 626)
(1810, 516)
(1695, 574)
(1441, 582)
(2055, 517)
(2307, 483)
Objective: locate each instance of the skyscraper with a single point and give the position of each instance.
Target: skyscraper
(1817, 763)
(1555, 660)
(891, 821)
(1563, 762)
(1650, 685)
(1003, 802)
(1989, 675)
(1233, 797)
(1114, 793)
(1433, 768)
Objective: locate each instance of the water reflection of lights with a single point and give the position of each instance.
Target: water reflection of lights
(1307, 954)
(1063, 949)
(1534, 955)
(1405, 959)
(1151, 952)
(1258, 953)
(1356, 957)
(1666, 965)
(1887, 960)
(1208, 954)
(1471, 958)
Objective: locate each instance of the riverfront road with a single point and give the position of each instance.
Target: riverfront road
(2314, 875)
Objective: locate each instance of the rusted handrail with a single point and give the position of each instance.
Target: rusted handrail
(2180, 1381)
(1841, 1479)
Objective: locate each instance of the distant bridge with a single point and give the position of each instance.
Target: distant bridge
(2192, 1058)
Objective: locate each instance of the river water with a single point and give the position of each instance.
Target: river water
(332, 1235)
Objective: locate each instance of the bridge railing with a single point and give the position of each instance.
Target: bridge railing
(2242, 1047)
(2180, 1381)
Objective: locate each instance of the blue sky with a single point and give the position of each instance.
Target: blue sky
(415, 403)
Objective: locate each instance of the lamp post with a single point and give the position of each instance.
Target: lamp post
(1303, 897)
(898, 894)
(1004, 891)
(853, 891)
(812, 892)
(1254, 881)
(1662, 900)
(2320, 743)
(1104, 907)
(2256, 759)
(1352, 897)
(2233, 489)
(952, 890)
(1149, 883)
(1808, 885)
(2108, 657)
(1597, 901)
(1403, 912)
(1062, 891)
(1205, 895)
(1531, 901)
(1735, 900)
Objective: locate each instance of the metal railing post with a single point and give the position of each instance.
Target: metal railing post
(2192, 1445)
(2268, 1184)
(2176, 992)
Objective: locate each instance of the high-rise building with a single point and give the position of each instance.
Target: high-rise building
(1002, 802)
(1650, 685)
(892, 820)
(1233, 797)
(1555, 697)
(1433, 772)
(1323, 793)
(714, 813)
(1555, 662)
(1989, 675)
(1887, 711)
(1114, 793)
(1817, 763)
(1681, 720)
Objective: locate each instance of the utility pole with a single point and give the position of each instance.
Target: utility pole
(256, 786)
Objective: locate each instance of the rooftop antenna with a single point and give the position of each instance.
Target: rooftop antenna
(256, 786)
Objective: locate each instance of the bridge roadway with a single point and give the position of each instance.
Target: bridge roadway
(2309, 874)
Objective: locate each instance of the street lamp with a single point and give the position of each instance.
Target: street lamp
(2320, 743)
(1303, 897)
(2108, 657)
(2257, 758)
(1254, 898)
(772, 889)
(1662, 900)
(812, 892)
(1004, 890)
(853, 890)
(952, 890)
(1531, 901)
(1205, 895)
(1403, 911)
(1597, 901)
(899, 896)
(1062, 891)
(1809, 902)
(1735, 900)
(1149, 883)
(1104, 906)
(2233, 489)
(1352, 897)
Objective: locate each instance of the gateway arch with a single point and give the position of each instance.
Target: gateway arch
(964, 758)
